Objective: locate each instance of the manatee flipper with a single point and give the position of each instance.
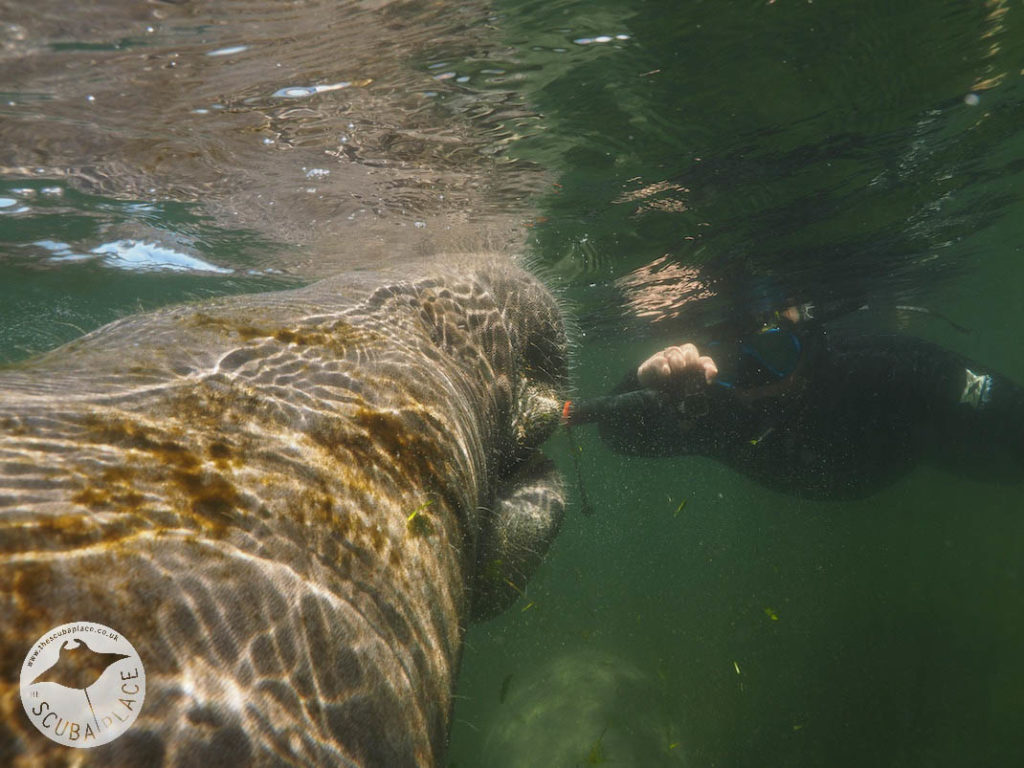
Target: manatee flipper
(526, 516)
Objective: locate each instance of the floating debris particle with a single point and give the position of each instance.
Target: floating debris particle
(505, 685)
(418, 523)
(304, 91)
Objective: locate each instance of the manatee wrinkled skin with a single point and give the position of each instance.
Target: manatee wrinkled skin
(286, 503)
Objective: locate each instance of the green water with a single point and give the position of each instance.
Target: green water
(867, 150)
(830, 149)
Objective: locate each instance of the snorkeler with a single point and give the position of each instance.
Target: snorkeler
(816, 412)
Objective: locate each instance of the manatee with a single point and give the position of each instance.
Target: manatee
(586, 706)
(290, 503)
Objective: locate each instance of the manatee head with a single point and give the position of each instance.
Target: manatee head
(489, 340)
(526, 343)
(536, 363)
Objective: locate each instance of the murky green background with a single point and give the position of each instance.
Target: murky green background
(868, 150)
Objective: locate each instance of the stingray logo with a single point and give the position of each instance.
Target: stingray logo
(82, 684)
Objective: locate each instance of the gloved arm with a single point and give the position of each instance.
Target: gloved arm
(675, 403)
(666, 406)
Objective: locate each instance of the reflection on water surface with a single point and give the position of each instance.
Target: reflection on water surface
(233, 105)
(328, 136)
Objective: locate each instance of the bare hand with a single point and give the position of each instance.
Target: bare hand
(668, 368)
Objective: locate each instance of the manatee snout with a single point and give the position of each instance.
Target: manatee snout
(539, 355)
(528, 504)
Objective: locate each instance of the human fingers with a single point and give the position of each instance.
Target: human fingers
(654, 371)
(710, 369)
(659, 369)
(681, 358)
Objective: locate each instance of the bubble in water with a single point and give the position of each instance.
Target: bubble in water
(303, 91)
(294, 92)
(972, 99)
(228, 51)
(600, 39)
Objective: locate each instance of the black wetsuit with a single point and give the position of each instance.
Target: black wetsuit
(841, 416)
